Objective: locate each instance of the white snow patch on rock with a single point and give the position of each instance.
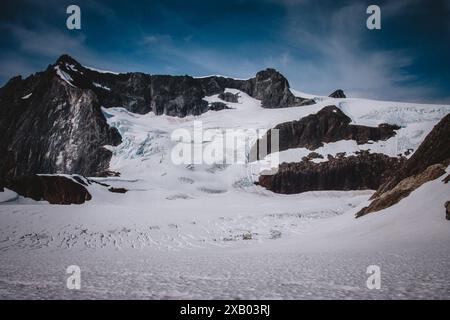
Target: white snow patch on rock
(64, 75)
(98, 85)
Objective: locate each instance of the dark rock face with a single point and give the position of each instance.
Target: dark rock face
(315, 155)
(217, 84)
(433, 150)
(108, 173)
(272, 89)
(446, 179)
(176, 95)
(118, 190)
(403, 189)
(57, 129)
(328, 125)
(447, 210)
(229, 97)
(364, 171)
(338, 94)
(217, 106)
(427, 163)
(129, 90)
(54, 189)
(141, 93)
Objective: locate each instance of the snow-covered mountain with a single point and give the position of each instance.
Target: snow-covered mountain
(205, 229)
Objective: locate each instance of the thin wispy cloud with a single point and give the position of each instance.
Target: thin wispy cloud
(342, 60)
(156, 39)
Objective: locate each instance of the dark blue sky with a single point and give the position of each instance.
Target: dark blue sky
(318, 45)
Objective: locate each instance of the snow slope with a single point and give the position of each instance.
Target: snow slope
(206, 231)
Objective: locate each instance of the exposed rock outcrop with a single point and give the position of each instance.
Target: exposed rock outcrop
(403, 189)
(54, 189)
(447, 210)
(363, 171)
(272, 89)
(229, 97)
(108, 173)
(217, 106)
(338, 94)
(50, 126)
(314, 155)
(434, 149)
(446, 179)
(176, 95)
(427, 163)
(328, 125)
(118, 190)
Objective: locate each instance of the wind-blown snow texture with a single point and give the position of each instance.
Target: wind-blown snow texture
(206, 231)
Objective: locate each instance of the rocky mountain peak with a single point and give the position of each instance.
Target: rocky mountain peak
(272, 88)
(339, 93)
(65, 58)
(45, 121)
(272, 74)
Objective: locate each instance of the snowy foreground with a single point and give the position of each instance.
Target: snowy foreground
(204, 231)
